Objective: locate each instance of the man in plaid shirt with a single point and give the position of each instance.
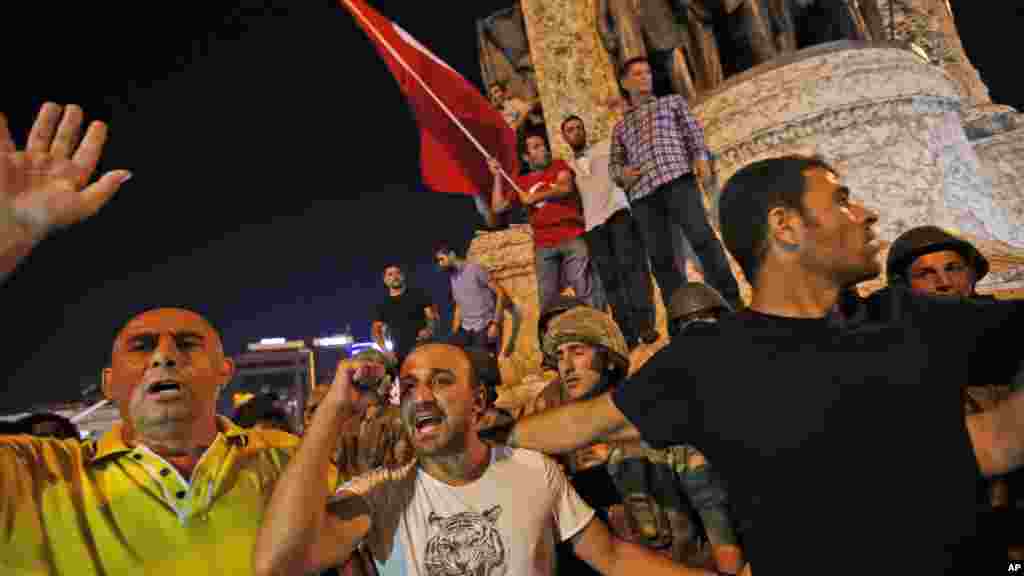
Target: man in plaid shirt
(657, 153)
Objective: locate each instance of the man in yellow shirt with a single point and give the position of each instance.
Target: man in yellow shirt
(174, 489)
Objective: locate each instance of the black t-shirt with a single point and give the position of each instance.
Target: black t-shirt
(844, 450)
(404, 317)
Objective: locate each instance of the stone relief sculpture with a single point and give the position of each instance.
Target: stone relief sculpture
(505, 54)
(801, 23)
(685, 32)
(634, 28)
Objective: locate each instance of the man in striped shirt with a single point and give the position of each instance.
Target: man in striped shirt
(657, 154)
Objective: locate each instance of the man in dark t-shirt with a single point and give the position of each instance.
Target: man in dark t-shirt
(846, 449)
(407, 314)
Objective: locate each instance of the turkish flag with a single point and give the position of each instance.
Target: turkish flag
(449, 160)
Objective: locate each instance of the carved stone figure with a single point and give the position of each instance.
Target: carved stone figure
(801, 23)
(638, 28)
(505, 53)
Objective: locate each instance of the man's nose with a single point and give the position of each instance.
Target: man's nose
(943, 282)
(422, 392)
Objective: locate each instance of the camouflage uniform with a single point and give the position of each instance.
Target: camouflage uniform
(666, 494)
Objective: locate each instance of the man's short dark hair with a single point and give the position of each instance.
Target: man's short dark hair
(497, 83)
(568, 119)
(533, 132)
(750, 194)
(392, 265)
(624, 69)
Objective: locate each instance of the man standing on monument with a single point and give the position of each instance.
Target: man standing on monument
(612, 237)
(657, 155)
(556, 219)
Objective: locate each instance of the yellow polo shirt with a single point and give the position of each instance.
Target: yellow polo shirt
(106, 508)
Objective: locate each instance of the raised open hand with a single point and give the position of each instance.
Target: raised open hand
(46, 185)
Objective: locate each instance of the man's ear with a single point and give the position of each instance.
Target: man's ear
(227, 373)
(480, 400)
(784, 230)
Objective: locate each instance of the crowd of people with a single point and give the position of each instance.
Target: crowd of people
(809, 431)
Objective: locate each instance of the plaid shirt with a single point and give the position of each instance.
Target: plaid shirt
(662, 138)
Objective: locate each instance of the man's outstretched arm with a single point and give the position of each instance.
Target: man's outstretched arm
(43, 187)
(567, 428)
(607, 554)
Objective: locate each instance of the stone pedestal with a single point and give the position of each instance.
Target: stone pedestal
(887, 120)
(508, 257)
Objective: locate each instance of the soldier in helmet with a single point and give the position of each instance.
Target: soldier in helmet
(664, 497)
(929, 260)
(694, 302)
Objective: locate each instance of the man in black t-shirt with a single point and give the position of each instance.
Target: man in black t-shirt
(846, 449)
(407, 314)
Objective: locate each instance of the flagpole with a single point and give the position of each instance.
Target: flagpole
(427, 89)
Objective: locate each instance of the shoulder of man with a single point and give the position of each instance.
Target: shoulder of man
(267, 438)
(50, 453)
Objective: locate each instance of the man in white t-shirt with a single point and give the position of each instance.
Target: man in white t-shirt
(613, 239)
(461, 507)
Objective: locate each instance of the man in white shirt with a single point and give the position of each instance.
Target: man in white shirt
(461, 507)
(614, 242)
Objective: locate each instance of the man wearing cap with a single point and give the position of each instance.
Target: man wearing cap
(659, 497)
(694, 302)
(929, 260)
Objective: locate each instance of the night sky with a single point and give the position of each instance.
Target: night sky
(275, 163)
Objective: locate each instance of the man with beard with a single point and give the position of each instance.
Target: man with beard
(478, 302)
(167, 490)
(612, 237)
(556, 218)
(781, 399)
(462, 507)
(407, 314)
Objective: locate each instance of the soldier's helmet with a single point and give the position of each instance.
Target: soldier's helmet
(556, 307)
(560, 304)
(695, 297)
(589, 326)
(923, 240)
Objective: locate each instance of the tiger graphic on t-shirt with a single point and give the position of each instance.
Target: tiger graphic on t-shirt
(465, 544)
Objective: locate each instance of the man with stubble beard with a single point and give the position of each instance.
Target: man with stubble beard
(461, 507)
(824, 432)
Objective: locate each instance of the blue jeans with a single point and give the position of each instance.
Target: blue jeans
(567, 264)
